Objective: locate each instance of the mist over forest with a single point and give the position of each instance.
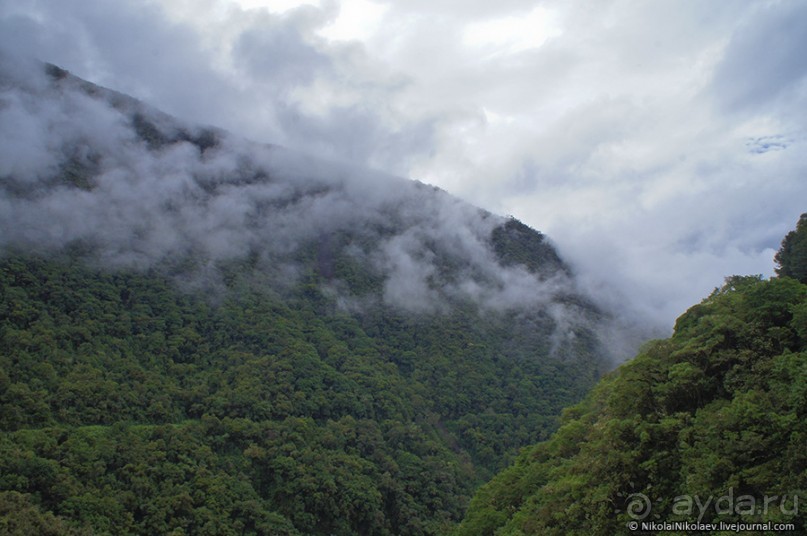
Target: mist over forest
(93, 170)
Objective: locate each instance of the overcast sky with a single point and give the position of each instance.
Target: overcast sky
(662, 145)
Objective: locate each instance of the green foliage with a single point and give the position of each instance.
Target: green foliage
(718, 409)
(127, 407)
(792, 256)
(516, 243)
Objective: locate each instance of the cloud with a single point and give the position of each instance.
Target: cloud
(130, 187)
(763, 64)
(411, 268)
(277, 54)
(267, 76)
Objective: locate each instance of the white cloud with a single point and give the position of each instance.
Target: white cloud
(357, 20)
(513, 33)
(276, 5)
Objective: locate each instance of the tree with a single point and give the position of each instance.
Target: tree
(792, 256)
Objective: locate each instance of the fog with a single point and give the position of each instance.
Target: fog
(90, 170)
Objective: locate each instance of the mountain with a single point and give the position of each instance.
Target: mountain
(707, 426)
(204, 335)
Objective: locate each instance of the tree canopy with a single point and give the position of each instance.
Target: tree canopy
(719, 410)
(792, 256)
(130, 407)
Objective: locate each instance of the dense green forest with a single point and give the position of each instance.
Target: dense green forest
(128, 406)
(719, 410)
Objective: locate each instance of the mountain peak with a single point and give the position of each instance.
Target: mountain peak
(239, 334)
(139, 188)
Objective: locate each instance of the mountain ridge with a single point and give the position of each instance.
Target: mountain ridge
(707, 426)
(203, 334)
(428, 217)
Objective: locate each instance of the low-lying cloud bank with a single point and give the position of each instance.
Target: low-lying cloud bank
(93, 170)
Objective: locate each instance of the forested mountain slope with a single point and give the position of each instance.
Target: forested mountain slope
(705, 426)
(201, 335)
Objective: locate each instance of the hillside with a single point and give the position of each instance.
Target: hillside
(203, 335)
(703, 427)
